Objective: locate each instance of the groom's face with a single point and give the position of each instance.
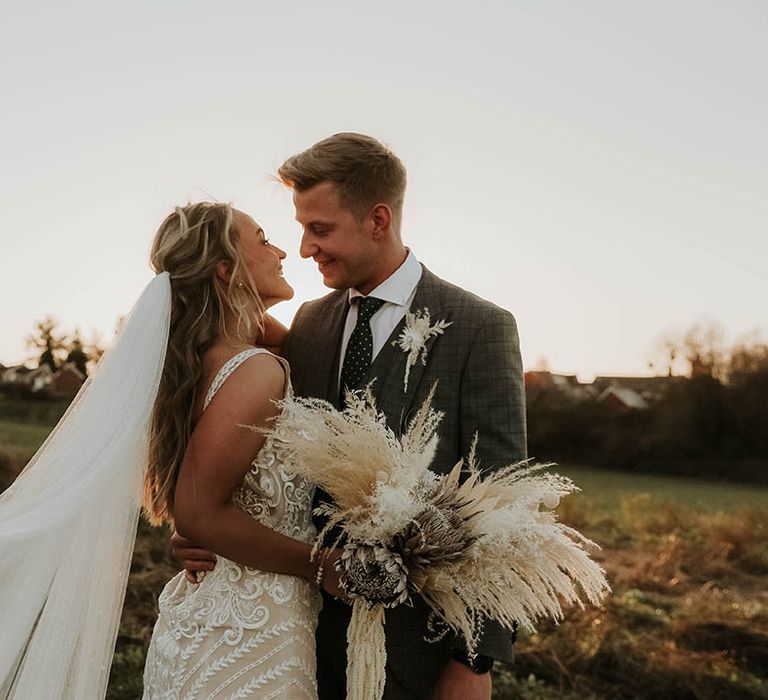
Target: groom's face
(339, 242)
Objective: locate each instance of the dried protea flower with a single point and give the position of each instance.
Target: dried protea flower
(437, 535)
(375, 573)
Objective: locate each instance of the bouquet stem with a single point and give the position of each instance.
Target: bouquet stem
(366, 652)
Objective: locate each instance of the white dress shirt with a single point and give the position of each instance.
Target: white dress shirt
(397, 292)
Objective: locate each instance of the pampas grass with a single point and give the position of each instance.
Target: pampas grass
(485, 545)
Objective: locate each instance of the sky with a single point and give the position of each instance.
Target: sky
(597, 168)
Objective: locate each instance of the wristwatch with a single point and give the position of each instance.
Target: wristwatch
(476, 662)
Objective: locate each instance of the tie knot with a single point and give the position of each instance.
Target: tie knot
(367, 306)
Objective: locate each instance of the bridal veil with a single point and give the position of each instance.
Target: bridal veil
(68, 522)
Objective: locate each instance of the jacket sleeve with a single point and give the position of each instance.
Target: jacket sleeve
(493, 407)
(493, 394)
(288, 343)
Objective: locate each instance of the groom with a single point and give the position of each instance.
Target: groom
(348, 193)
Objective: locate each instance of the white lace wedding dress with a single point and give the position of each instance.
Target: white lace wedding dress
(242, 633)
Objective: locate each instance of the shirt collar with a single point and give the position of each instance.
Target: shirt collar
(399, 286)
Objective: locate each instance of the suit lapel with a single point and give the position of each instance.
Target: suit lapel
(326, 365)
(388, 368)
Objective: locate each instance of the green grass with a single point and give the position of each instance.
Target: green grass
(18, 442)
(24, 438)
(605, 489)
(24, 426)
(26, 410)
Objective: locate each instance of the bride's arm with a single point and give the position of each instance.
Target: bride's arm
(219, 455)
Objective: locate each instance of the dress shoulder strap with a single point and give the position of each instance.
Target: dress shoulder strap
(234, 362)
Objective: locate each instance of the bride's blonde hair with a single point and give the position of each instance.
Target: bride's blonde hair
(188, 245)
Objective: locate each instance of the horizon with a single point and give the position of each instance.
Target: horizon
(679, 368)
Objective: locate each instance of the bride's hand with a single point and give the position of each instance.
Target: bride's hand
(193, 558)
(332, 578)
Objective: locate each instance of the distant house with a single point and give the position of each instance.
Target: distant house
(67, 380)
(537, 381)
(622, 398)
(618, 393)
(649, 388)
(40, 378)
(18, 374)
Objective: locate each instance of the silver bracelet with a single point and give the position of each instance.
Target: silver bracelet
(320, 573)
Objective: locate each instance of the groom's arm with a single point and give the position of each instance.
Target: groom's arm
(492, 405)
(289, 343)
(492, 395)
(273, 334)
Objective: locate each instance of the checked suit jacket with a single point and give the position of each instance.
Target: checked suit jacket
(477, 366)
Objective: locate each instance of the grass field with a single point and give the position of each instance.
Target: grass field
(24, 425)
(606, 489)
(688, 617)
(21, 439)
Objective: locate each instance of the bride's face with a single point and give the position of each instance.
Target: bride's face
(264, 260)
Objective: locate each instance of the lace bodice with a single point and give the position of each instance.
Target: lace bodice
(270, 492)
(242, 632)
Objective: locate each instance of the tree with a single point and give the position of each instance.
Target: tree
(95, 348)
(699, 351)
(705, 351)
(667, 353)
(48, 345)
(77, 354)
(748, 356)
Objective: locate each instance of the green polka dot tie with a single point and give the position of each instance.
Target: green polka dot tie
(357, 358)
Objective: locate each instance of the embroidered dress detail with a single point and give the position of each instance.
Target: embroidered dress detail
(241, 632)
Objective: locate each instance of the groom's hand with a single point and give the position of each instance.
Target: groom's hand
(193, 559)
(458, 682)
(273, 334)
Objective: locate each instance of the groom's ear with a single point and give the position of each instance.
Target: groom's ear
(381, 217)
(224, 271)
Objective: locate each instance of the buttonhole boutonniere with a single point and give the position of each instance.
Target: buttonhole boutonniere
(414, 337)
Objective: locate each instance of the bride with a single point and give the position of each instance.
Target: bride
(179, 386)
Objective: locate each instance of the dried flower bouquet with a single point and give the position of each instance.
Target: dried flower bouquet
(488, 545)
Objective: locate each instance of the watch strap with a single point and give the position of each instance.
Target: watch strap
(478, 663)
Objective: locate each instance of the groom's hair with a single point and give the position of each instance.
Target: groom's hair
(365, 170)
